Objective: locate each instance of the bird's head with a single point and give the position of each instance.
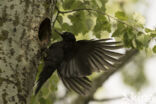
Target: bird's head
(67, 36)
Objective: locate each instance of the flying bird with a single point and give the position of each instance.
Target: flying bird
(75, 60)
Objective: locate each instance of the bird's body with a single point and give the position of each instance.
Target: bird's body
(74, 60)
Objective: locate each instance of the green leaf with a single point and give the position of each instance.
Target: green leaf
(154, 49)
(42, 100)
(152, 32)
(67, 2)
(116, 33)
(81, 22)
(139, 45)
(51, 98)
(121, 15)
(57, 25)
(34, 100)
(102, 24)
(66, 27)
(94, 4)
(98, 3)
(127, 41)
(144, 39)
(73, 4)
(44, 89)
(60, 19)
(148, 30)
(128, 37)
(119, 31)
(153, 35)
(89, 23)
(103, 4)
(53, 82)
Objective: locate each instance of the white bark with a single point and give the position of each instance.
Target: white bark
(19, 46)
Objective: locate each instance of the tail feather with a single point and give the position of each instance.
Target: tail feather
(39, 84)
(80, 85)
(43, 77)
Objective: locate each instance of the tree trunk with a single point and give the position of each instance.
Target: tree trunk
(20, 46)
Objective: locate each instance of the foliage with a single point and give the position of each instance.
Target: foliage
(89, 18)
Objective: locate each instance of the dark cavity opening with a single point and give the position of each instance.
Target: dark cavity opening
(45, 30)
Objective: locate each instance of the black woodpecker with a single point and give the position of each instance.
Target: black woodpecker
(75, 60)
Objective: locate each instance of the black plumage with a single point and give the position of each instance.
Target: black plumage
(75, 60)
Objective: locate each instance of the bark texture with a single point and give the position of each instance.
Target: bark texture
(19, 47)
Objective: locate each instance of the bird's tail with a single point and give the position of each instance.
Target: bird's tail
(81, 85)
(43, 77)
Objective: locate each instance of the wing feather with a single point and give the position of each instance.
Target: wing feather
(105, 56)
(91, 55)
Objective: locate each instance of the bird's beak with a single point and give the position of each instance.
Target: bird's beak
(58, 32)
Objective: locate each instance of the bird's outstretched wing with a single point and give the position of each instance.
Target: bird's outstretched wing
(89, 56)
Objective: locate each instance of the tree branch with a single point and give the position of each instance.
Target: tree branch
(100, 12)
(56, 15)
(107, 99)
